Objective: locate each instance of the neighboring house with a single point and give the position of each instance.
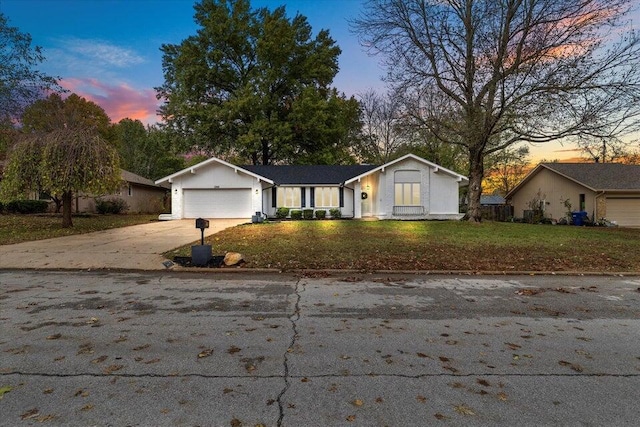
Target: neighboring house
(603, 190)
(141, 195)
(407, 188)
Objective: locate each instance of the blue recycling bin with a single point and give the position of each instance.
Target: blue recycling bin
(578, 218)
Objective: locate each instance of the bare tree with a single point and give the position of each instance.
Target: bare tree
(381, 117)
(488, 74)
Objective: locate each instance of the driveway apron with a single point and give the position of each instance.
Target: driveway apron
(137, 247)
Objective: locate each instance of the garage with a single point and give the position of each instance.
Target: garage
(217, 203)
(624, 210)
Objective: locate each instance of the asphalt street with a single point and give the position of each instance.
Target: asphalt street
(208, 349)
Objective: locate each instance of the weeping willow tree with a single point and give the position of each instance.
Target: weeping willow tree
(64, 161)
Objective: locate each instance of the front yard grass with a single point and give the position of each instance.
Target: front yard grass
(429, 245)
(23, 228)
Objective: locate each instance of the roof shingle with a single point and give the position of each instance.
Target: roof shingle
(600, 176)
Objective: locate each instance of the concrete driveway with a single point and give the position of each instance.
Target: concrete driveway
(136, 247)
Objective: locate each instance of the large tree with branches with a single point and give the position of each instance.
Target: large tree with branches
(487, 74)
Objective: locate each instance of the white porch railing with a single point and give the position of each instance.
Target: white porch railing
(408, 210)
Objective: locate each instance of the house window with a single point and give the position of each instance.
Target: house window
(327, 197)
(407, 188)
(289, 197)
(129, 190)
(583, 205)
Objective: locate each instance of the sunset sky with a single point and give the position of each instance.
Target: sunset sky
(108, 51)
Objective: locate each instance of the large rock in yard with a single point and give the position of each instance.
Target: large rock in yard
(233, 258)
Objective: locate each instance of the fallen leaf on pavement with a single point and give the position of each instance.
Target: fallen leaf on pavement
(112, 368)
(357, 402)
(233, 349)
(54, 336)
(502, 396)
(205, 353)
(236, 423)
(573, 366)
(529, 292)
(424, 355)
(464, 410)
(351, 418)
(5, 389)
(421, 398)
(32, 413)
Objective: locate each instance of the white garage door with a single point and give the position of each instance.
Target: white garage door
(626, 212)
(218, 203)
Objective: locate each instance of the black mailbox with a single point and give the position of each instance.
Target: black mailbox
(202, 223)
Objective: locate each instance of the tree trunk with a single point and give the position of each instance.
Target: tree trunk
(67, 199)
(476, 174)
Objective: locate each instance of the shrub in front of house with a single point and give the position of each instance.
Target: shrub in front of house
(282, 213)
(307, 213)
(321, 214)
(296, 214)
(335, 213)
(27, 206)
(111, 206)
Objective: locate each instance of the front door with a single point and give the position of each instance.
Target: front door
(366, 197)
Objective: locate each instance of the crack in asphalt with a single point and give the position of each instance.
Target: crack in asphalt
(293, 318)
(319, 376)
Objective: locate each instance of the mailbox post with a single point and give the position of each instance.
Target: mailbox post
(202, 224)
(201, 254)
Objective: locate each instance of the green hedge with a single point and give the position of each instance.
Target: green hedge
(111, 206)
(307, 213)
(296, 214)
(335, 213)
(282, 213)
(27, 206)
(321, 214)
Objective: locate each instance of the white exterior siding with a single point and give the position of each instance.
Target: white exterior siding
(215, 176)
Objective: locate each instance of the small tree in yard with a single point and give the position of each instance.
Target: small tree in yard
(62, 161)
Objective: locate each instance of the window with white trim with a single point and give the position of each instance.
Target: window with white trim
(288, 197)
(407, 188)
(326, 197)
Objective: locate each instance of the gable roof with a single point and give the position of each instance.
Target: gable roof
(194, 168)
(309, 174)
(594, 176)
(437, 168)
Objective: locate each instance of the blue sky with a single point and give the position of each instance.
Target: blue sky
(109, 50)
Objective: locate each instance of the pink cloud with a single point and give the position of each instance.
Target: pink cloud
(118, 101)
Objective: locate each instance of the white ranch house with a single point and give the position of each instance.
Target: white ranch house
(406, 188)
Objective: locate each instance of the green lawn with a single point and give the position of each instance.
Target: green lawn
(429, 245)
(22, 228)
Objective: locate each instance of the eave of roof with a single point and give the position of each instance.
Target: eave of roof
(194, 168)
(460, 178)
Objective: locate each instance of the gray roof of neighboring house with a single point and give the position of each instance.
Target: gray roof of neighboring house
(309, 174)
(137, 179)
(600, 176)
(492, 200)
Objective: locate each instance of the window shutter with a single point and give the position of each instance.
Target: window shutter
(302, 197)
(274, 195)
(341, 195)
(312, 195)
